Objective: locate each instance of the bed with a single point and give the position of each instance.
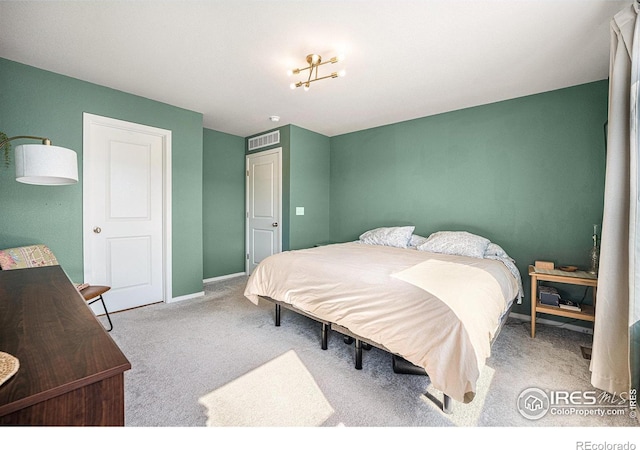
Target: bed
(437, 302)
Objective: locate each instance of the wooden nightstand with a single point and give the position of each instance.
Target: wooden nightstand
(578, 277)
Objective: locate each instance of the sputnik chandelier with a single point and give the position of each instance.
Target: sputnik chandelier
(314, 62)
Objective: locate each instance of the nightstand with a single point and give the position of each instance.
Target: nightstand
(578, 277)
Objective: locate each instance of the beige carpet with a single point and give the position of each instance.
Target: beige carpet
(280, 393)
(463, 414)
(182, 351)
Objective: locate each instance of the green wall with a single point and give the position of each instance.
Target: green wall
(309, 188)
(526, 173)
(41, 103)
(305, 182)
(223, 206)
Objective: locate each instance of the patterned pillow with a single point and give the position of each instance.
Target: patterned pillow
(495, 250)
(456, 243)
(28, 256)
(416, 241)
(389, 236)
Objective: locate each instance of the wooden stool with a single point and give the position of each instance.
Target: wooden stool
(94, 293)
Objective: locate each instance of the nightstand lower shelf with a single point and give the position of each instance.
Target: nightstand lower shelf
(588, 312)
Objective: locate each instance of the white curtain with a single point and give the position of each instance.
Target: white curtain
(614, 360)
(634, 213)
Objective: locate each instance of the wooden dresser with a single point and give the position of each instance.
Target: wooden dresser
(71, 371)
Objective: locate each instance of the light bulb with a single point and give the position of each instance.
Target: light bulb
(292, 85)
(306, 87)
(342, 73)
(289, 72)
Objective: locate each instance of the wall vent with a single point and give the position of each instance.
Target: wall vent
(264, 140)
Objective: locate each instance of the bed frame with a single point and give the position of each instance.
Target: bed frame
(400, 365)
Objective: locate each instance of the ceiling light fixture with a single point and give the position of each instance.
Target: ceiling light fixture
(314, 62)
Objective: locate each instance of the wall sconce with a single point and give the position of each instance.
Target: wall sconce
(43, 164)
(314, 62)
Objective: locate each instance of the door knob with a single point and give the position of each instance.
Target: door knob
(274, 224)
(97, 230)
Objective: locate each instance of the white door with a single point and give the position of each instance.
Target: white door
(125, 212)
(264, 187)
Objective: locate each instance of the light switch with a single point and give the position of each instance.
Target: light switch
(299, 210)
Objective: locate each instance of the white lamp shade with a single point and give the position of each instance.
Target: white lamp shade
(46, 164)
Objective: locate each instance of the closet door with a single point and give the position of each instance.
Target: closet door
(264, 217)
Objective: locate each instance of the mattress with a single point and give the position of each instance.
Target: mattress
(439, 312)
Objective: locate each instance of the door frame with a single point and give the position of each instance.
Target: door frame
(89, 119)
(278, 151)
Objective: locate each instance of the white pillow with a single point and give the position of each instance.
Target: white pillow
(456, 243)
(389, 236)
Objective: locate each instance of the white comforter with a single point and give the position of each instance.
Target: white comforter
(439, 312)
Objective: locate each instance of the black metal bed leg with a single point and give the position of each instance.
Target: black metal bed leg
(447, 404)
(278, 308)
(358, 354)
(325, 335)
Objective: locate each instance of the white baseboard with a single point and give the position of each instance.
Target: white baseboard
(187, 297)
(208, 280)
(555, 323)
(224, 277)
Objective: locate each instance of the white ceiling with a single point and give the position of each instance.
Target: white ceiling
(228, 59)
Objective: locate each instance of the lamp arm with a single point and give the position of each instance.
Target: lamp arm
(331, 75)
(45, 141)
(331, 61)
(311, 73)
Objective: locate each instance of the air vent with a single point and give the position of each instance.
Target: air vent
(264, 140)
